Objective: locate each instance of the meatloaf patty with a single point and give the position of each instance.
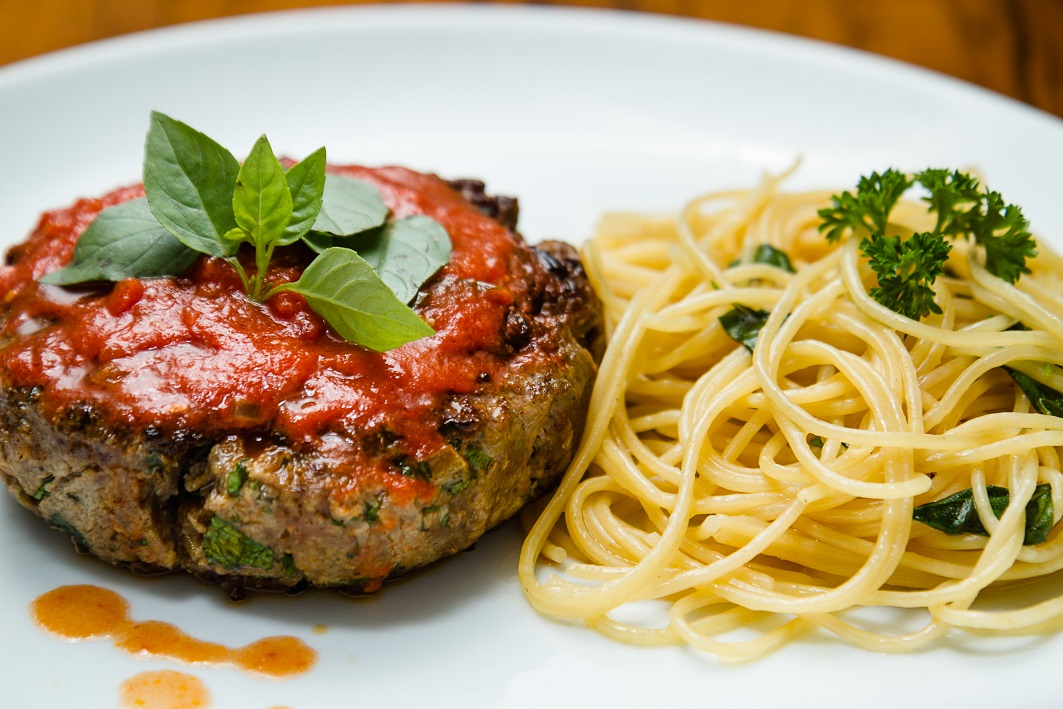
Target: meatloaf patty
(172, 423)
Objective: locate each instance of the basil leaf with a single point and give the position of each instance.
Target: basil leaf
(306, 183)
(349, 206)
(956, 514)
(124, 241)
(318, 241)
(341, 287)
(1039, 515)
(766, 253)
(189, 180)
(262, 203)
(743, 324)
(1045, 399)
(407, 253)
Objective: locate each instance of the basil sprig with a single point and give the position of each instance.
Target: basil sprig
(201, 200)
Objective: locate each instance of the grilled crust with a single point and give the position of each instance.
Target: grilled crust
(139, 498)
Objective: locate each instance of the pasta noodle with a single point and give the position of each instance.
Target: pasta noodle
(762, 495)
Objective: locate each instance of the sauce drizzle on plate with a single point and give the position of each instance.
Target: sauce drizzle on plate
(86, 612)
(165, 689)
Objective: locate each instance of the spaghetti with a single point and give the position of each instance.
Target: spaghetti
(765, 493)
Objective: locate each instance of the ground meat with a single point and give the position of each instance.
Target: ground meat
(172, 424)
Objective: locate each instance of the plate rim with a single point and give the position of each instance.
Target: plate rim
(602, 20)
(753, 40)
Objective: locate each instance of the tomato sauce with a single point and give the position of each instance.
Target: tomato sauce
(193, 352)
(88, 612)
(164, 689)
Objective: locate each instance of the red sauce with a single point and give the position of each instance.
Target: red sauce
(92, 613)
(195, 352)
(165, 689)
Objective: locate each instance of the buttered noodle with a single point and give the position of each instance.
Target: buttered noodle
(765, 495)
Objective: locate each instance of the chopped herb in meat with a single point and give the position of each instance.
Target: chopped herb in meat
(372, 511)
(225, 545)
(237, 477)
(56, 521)
(43, 490)
(419, 469)
(477, 458)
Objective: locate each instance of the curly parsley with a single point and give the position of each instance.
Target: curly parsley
(876, 196)
(908, 268)
(906, 271)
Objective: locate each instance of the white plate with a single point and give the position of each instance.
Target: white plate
(575, 112)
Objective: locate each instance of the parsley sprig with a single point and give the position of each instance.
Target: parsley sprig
(201, 200)
(876, 196)
(906, 271)
(908, 268)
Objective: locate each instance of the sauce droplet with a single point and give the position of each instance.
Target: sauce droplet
(89, 613)
(164, 689)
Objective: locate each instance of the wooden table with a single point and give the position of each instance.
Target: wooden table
(1014, 47)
